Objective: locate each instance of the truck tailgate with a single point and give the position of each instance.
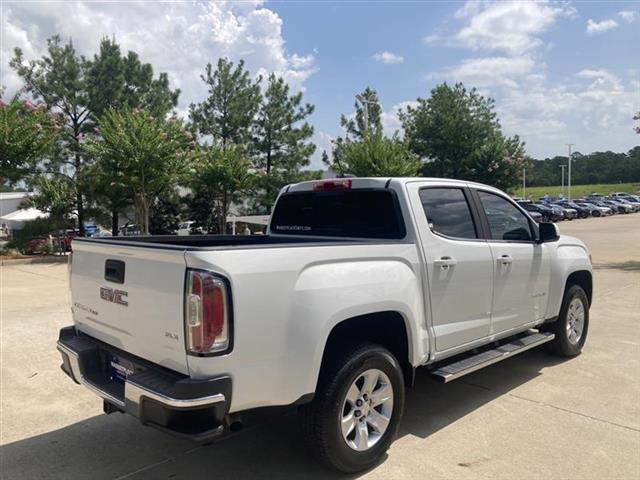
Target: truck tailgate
(131, 298)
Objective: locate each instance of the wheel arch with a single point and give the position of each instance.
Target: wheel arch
(582, 278)
(389, 329)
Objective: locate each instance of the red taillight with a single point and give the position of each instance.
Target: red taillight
(332, 185)
(207, 320)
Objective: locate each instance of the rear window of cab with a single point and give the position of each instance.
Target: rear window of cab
(355, 213)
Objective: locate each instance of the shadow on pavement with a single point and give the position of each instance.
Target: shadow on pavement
(628, 266)
(117, 446)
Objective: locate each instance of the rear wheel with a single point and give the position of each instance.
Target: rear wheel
(572, 325)
(355, 414)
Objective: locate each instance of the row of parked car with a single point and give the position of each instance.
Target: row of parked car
(555, 209)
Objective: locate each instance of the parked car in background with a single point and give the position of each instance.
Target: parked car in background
(536, 216)
(557, 214)
(596, 210)
(635, 206)
(102, 234)
(618, 207)
(543, 211)
(583, 212)
(190, 227)
(627, 196)
(598, 203)
(568, 212)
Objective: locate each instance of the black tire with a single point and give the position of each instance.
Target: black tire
(596, 213)
(562, 345)
(320, 419)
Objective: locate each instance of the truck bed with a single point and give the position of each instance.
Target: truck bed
(207, 242)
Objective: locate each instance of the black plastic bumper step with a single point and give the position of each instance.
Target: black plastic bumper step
(459, 368)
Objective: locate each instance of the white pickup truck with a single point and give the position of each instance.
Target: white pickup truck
(357, 283)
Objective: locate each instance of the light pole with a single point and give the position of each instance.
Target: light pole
(365, 107)
(562, 167)
(569, 173)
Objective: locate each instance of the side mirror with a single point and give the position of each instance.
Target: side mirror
(548, 232)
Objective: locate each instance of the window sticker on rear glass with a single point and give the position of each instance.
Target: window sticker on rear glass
(303, 228)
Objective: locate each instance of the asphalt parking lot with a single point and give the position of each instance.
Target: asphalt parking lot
(533, 416)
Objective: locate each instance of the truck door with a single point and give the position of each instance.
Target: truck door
(459, 265)
(522, 266)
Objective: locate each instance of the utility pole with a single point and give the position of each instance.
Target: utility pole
(524, 183)
(365, 111)
(569, 173)
(562, 167)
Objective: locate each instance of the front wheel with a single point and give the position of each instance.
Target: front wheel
(572, 325)
(355, 414)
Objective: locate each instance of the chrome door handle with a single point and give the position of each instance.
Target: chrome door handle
(505, 260)
(445, 263)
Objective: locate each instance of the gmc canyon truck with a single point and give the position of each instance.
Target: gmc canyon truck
(358, 282)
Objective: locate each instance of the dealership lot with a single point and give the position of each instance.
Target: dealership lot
(533, 416)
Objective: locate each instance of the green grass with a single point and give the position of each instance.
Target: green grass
(579, 190)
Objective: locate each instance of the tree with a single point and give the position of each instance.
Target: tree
(218, 176)
(150, 152)
(281, 137)
(227, 114)
(376, 156)
(55, 195)
(356, 128)
(59, 80)
(364, 151)
(457, 133)
(116, 81)
(28, 134)
(166, 213)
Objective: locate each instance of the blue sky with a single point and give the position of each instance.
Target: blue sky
(560, 71)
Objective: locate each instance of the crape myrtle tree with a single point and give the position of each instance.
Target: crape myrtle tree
(281, 136)
(150, 153)
(58, 80)
(457, 134)
(376, 156)
(28, 135)
(217, 177)
(365, 151)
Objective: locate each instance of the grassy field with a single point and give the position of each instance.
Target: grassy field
(579, 190)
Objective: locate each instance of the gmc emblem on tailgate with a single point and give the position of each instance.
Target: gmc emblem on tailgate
(114, 296)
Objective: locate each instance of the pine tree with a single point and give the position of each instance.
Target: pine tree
(227, 114)
(281, 138)
(59, 80)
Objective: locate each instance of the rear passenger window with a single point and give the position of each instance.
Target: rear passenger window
(448, 212)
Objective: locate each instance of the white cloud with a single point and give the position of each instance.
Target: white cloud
(488, 71)
(324, 143)
(510, 27)
(388, 57)
(595, 28)
(177, 38)
(629, 16)
(594, 110)
(390, 118)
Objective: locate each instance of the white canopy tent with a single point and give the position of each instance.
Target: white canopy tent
(252, 219)
(14, 220)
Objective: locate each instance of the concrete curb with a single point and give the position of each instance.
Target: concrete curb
(28, 261)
